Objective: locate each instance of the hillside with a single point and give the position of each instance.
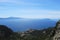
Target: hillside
(45, 34)
(31, 34)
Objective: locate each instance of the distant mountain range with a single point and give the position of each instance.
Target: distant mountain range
(22, 24)
(11, 18)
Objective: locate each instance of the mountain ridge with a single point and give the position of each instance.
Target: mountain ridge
(11, 18)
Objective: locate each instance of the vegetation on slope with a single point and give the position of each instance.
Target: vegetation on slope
(8, 34)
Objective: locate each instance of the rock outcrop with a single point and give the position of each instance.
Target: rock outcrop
(57, 31)
(5, 32)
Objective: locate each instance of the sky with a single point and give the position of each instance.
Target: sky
(30, 8)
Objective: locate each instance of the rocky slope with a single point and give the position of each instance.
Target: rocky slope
(32, 34)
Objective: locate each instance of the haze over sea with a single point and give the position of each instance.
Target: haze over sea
(22, 24)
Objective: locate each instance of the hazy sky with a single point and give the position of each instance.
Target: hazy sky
(30, 8)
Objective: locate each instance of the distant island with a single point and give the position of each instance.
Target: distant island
(11, 18)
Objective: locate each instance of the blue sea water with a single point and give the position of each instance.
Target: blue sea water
(25, 24)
